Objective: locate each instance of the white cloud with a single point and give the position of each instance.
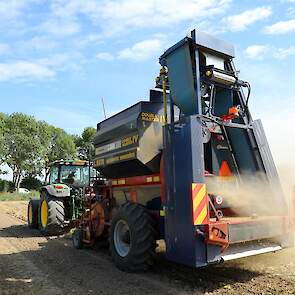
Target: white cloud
(60, 27)
(291, 11)
(256, 51)
(24, 70)
(13, 14)
(84, 41)
(281, 27)
(282, 53)
(13, 8)
(70, 61)
(105, 56)
(240, 22)
(42, 43)
(117, 16)
(269, 51)
(141, 50)
(41, 68)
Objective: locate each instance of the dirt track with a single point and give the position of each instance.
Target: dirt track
(32, 264)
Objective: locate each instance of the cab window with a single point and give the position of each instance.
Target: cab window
(53, 178)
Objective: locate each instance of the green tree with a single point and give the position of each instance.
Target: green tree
(31, 183)
(85, 143)
(60, 146)
(28, 145)
(24, 146)
(2, 140)
(88, 135)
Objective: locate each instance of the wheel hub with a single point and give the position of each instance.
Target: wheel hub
(44, 214)
(30, 214)
(122, 238)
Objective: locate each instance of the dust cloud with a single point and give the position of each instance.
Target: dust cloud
(253, 195)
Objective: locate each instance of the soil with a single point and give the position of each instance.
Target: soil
(33, 264)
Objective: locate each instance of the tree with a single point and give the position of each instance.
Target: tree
(24, 146)
(2, 140)
(28, 145)
(88, 135)
(85, 142)
(31, 183)
(60, 146)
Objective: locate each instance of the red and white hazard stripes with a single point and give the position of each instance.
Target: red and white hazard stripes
(200, 204)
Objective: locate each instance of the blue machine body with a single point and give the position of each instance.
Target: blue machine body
(184, 153)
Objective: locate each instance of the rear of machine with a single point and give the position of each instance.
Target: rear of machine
(219, 173)
(189, 166)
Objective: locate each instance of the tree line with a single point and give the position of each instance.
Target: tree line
(27, 145)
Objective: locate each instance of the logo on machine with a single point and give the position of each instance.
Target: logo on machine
(125, 141)
(150, 117)
(129, 140)
(110, 160)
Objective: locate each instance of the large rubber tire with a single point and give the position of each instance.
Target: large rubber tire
(32, 214)
(77, 238)
(51, 215)
(141, 238)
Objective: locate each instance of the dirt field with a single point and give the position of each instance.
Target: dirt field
(32, 264)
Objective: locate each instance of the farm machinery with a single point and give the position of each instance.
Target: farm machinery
(174, 167)
(61, 198)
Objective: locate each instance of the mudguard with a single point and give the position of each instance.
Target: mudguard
(57, 190)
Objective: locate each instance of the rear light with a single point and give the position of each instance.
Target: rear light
(218, 200)
(59, 186)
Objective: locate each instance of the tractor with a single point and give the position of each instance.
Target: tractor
(60, 200)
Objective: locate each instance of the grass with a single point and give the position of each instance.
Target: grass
(18, 197)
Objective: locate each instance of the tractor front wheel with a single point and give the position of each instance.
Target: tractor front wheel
(51, 214)
(132, 238)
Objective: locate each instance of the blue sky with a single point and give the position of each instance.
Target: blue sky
(58, 58)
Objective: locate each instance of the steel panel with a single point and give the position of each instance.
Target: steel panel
(181, 80)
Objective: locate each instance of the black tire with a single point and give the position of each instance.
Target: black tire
(53, 224)
(32, 214)
(77, 238)
(141, 238)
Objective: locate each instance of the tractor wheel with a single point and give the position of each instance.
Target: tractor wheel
(77, 238)
(33, 208)
(51, 214)
(132, 238)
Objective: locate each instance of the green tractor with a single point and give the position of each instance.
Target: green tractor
(60, 201)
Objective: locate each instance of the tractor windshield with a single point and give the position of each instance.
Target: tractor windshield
(75, 175)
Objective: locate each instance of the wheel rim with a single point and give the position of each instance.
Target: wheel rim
(30, 213)
(122, 238)
(44, 213)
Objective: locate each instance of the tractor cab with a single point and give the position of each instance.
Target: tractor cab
(72, 173)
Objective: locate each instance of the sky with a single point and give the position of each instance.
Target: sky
(59, 58)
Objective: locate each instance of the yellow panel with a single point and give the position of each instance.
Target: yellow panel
(121, 181)
(156, 178)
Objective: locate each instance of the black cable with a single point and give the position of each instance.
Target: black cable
(249, 92)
